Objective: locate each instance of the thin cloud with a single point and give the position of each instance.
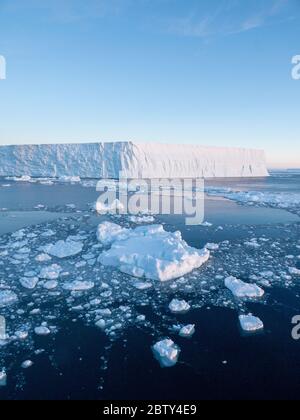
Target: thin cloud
(226, 20)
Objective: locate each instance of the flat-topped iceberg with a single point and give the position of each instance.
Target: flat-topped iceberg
(166, 352)
(241, 289)
(250, 323)
(149, 251)
(134, 160)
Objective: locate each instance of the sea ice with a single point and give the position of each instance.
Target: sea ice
(294, 271)
(241, 289)
(26, 364)
(166, 352)
(7, 297)
(78, 285)
(3, 378)
(149, 251)
(108, 232)
(42, 330)
(50, 284)
(50, 273)
(187, 331)
(179, 306)
(63, 249)
(250, 323)
(29, 282)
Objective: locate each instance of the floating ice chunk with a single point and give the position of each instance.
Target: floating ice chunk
(42, 330)
(26, 364)
(64, 249)
(29, 282)
(50, 284)
(21, 334)
(179, 306)
(152, 252)
(108, 232)
(72, 179)
(142, 285)
(294, 271)
(101, 324)
(78, 285)
(241, 289)
(250, 323)
(7, 298)
(43, 258)
(187, 331)
(115, 206)
(141, 219)
(166, 352)
(50, 273)
(212, 247)
(3, 378)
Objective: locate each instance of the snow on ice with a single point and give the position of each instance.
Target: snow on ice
(241, 289)
(149, 251)
(166, 352)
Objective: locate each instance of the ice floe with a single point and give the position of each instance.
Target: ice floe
(241, 289)
(149, 251)
(179, 306)
(250, 323)
(78, 285)
(7, 298)
(187, 331)
(42, 330)
(51, 272)
(63, 249)
(166, 352)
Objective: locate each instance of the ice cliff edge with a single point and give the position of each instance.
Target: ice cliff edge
(106, 160)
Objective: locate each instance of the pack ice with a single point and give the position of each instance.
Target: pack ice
(149, 251)
(106, 160)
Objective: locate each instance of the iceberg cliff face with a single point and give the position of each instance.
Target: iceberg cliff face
(107, 160)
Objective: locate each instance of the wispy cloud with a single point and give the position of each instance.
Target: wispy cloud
(231, 17)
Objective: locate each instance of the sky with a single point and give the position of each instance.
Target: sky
(209, 72)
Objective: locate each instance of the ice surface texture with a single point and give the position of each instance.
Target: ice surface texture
(149, 251)
(106, 160)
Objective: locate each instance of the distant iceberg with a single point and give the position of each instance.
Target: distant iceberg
(107, 160)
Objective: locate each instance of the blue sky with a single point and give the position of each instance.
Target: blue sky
(215, 72)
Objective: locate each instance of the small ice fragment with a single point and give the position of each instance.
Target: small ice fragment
(179, 306)
(187, 331)
(294, 271)
(7, 298)
(250, 323)
(241, 289)
(101, 324)
(26, 364)
(43, 258)
(166, 352)
(3, 378)
(50, 273)
(78, 285)
(51, 284)
(42, 330)
(212, 247)
(29, 282)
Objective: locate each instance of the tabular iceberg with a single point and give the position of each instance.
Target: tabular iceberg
(107, 160)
